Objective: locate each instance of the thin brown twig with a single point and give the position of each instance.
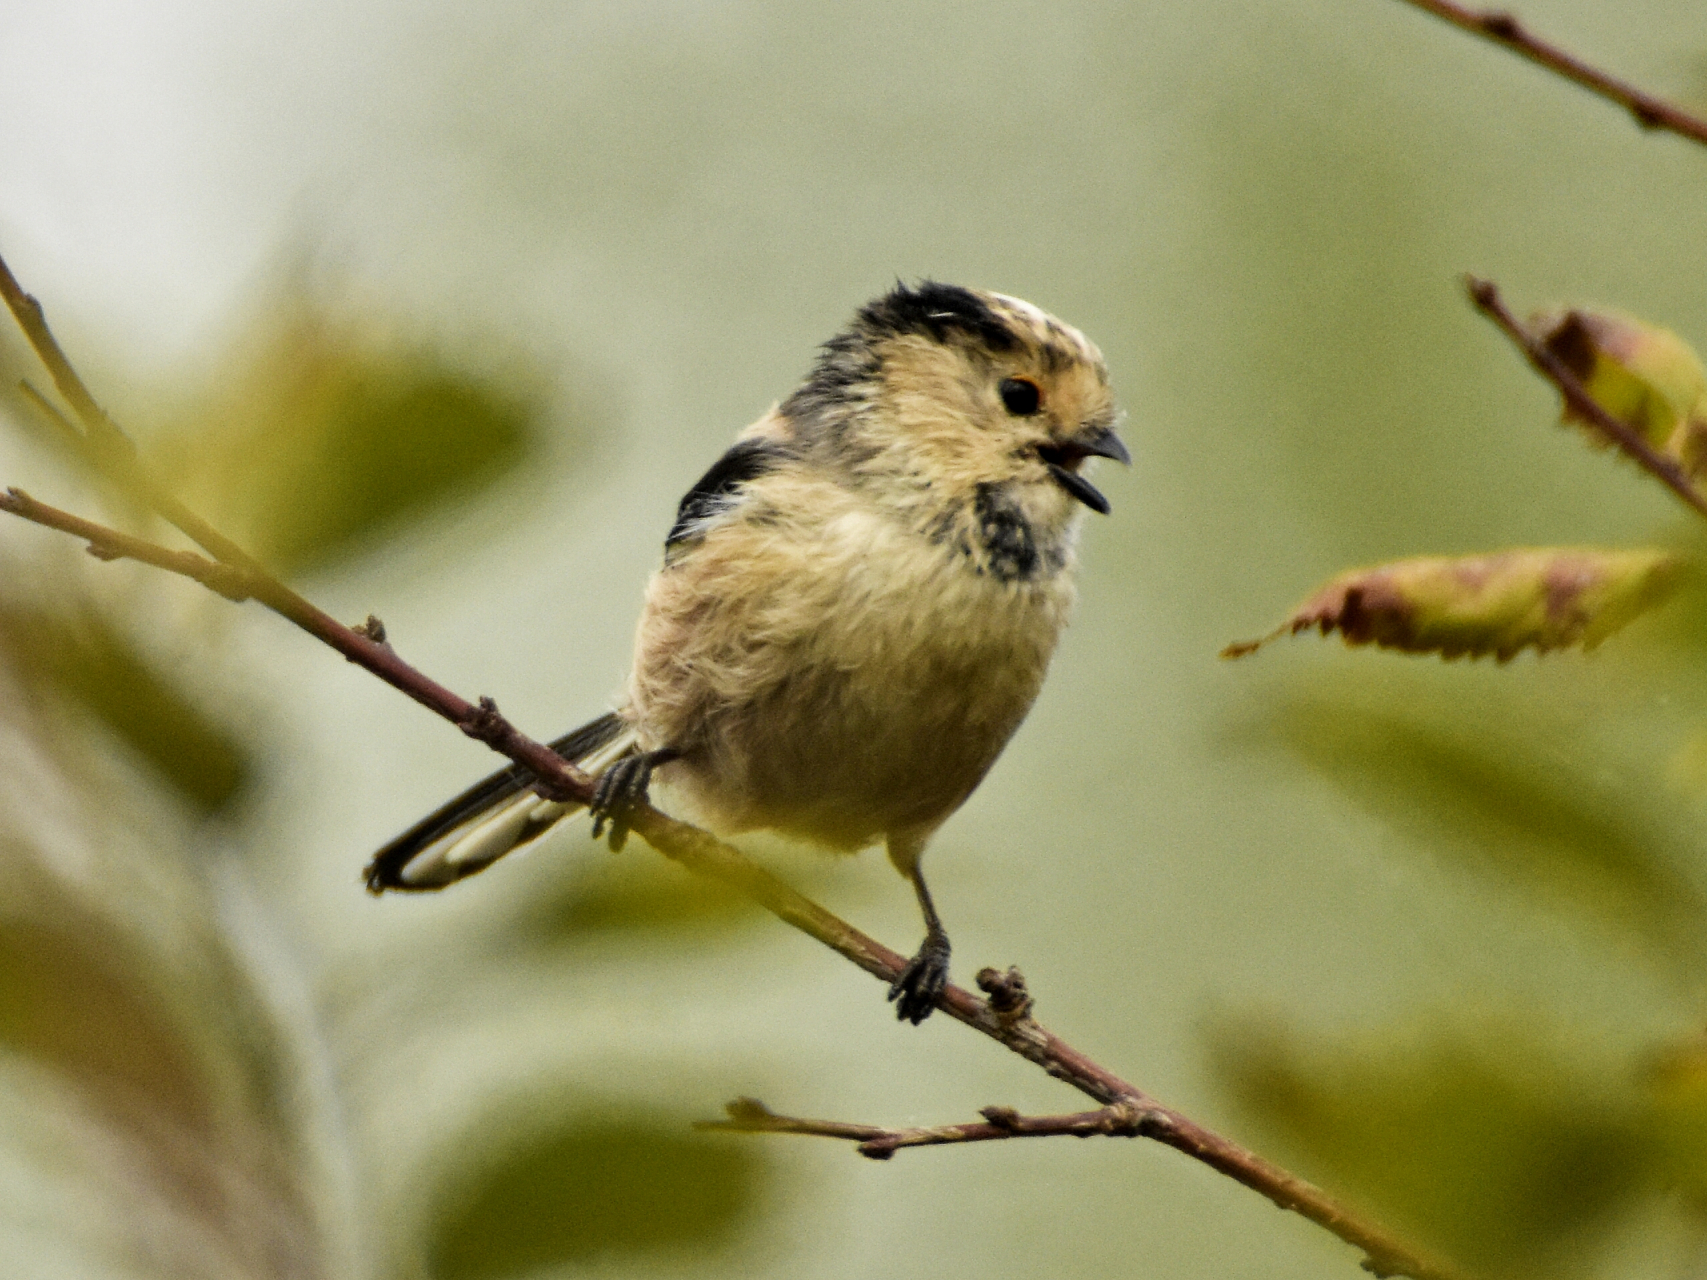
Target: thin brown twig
(1120, 1120)
(110, 544)
(1005, 1016)
(1485, 295)
(1504, 29)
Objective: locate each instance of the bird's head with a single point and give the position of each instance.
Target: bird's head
(937, 393)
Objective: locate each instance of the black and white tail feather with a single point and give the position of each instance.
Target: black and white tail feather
(499, 814)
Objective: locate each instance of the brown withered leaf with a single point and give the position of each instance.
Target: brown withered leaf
(1498, 603)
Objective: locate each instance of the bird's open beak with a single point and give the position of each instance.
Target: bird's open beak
(1062, 457)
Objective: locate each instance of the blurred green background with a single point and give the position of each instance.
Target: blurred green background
(441, 307)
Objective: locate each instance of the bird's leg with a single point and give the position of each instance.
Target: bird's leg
(915, 992)
(621, 786)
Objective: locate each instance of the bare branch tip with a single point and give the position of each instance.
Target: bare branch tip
(1484, 293)
(746, 1110)
(483, 722)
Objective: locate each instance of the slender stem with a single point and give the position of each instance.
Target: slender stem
(1504, 29)
(749, 1115)
(1486, 297)
(110, 544)
(1005, 1016)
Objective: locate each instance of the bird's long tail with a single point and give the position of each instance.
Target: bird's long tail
(492, 817)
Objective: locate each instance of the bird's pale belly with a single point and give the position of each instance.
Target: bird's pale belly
(878, 721)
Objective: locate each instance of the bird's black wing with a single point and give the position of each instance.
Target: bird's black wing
(745, 460)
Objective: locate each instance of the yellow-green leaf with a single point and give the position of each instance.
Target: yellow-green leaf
(1641, 374)
(1499, 603)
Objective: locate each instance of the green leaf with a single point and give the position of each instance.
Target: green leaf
(1498, 603)
(390, 441)
(595, 1187)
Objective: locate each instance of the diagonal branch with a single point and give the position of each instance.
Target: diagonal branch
(1005, 1016)
(1485, 295)
(1504, 29)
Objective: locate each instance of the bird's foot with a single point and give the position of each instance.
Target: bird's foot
(915, 992)
(622, 786)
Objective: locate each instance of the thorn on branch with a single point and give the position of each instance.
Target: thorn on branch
(483, 723)
(1009, 1000)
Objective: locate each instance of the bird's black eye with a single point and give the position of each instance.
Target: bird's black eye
(1020, 396)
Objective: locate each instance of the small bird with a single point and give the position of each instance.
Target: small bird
(857, 604)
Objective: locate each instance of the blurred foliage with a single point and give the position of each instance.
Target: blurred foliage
(1495, 1143)
(80, 655)
(139, 1060)
(614, 894)
(324, 435)
(1482, 796)
(77, 1008)
(172, 1099)
(590, 1188)
(1498, 1143)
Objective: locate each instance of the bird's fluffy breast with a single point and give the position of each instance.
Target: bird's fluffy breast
(831, 672)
